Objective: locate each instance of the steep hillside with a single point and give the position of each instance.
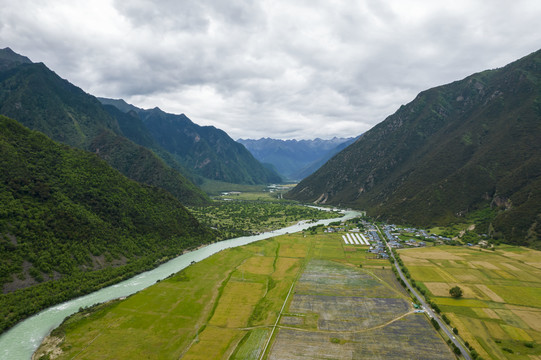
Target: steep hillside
(10, 59)
(457, 148)
(313, 166)
(204, 151)
(39, 99)
(70, 224)
(134, 129)
(294, 159)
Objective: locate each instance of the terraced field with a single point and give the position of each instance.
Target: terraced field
(295, 296)
(500, 311)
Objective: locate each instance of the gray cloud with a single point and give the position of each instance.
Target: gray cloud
(284, 69)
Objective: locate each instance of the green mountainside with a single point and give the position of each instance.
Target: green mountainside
(39, 99)
(9, 59)
(204, 151)
(456, 149)
(67, 216)
(134, 129)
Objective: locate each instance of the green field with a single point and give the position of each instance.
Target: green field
(227, 305)
(500, 311)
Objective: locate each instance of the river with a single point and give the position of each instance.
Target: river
(22, 340)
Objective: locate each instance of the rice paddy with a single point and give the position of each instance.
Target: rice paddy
(500, 311)
(230, 305)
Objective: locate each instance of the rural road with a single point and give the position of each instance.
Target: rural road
(426, 307)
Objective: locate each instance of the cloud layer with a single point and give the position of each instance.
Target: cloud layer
(270, 68)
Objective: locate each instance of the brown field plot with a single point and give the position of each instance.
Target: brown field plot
(341, 312)
(500, 311)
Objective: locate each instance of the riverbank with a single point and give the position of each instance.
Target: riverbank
(282, 291)
(23, 339)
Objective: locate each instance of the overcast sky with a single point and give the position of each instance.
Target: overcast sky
(272, 68)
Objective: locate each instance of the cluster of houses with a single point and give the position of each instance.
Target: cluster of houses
(419, 233)
(393, 234)
(378, 247)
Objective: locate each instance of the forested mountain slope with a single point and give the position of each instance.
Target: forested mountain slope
(469, 145)
(203, 151)
(39, 99)
(69, 223)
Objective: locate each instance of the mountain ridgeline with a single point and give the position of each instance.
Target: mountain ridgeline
(70, 224)
(455, 150)
(204, 151)
(149, 146)
(39, 99)
(295, 159)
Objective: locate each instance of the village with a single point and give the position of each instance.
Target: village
(397, 237)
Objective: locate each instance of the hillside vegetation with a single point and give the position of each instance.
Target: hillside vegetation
(70, 224)
(454, 150)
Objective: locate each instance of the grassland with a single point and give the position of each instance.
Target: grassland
(227, 306)
(500, 311)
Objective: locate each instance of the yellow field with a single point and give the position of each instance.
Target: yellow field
(213, 343)
(236, 304)
(500, 311)
(261, 265)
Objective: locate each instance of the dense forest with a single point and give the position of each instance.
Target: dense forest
(69, 223)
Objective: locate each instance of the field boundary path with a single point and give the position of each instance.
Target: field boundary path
(301, 269)
(349, 331)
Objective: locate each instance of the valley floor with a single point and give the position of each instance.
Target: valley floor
(297, 296)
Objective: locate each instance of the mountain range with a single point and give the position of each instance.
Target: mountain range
(459, 150)
(149, 146)
(204, 151)
(295, 159)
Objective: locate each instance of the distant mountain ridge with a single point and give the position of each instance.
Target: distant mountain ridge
(202, 150)
(455, 149)
(295, 159)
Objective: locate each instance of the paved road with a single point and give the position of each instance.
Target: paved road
(426, 307)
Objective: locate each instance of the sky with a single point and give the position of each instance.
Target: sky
(271, 68)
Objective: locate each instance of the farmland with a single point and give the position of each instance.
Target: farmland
(227, 306)
(499, 313)
(339, 312)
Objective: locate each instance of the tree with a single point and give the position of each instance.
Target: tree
(455, 292)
